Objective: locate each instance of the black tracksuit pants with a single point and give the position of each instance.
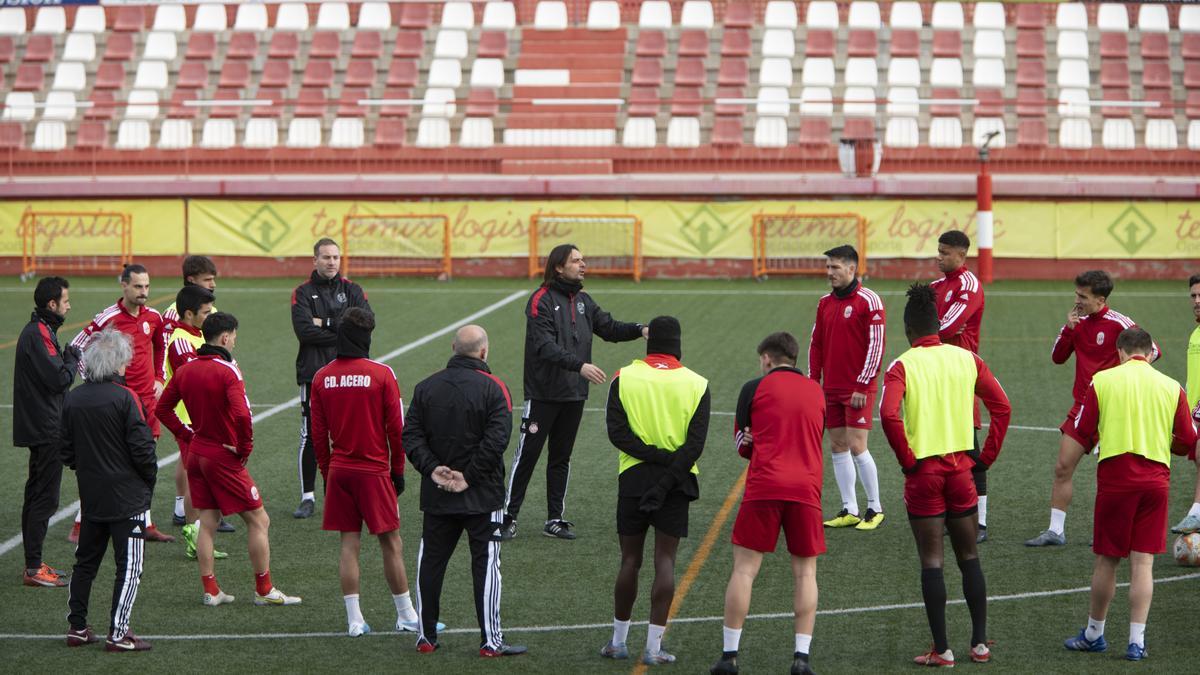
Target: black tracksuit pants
(439, 538)
(41, 500)
(541, 421)
(128, 544)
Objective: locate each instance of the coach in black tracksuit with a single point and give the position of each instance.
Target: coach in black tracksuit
(108, 445)
(459, 422)
(560, 320)
(317, 307)
(42, 374)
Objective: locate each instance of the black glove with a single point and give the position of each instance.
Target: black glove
(911, 470)
(653, 499)
(72, 355)
(398, 483)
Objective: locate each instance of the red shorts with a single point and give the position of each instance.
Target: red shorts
(356, 497)
(941, 486)
(1069, 423)
(838, 412)
(758, 524)
(1130, 521)
(183, 447)
(148, 404)
(221, 484)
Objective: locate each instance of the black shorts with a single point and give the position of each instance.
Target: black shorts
(671, 519)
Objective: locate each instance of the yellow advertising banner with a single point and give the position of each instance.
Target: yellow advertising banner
(676, 229)
(65, 227)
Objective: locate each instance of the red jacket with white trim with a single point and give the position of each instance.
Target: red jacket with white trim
(212, 389)
(1094, 342)
(959, 300)
(848, 341)
(149, 352)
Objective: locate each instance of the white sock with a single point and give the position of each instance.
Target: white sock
(843, 470)
(353, 613)
(1195, 510)
(1096, 628)
(732, 636)
(620, 631)
(197, 524)
(1058, 521)
(1137, 634)
(178, 506)
(803, 643)
(983, 511)
(149, 523)
(308, 496)
(78, 516)
(869, 475)
(654, 638)
(404, 607)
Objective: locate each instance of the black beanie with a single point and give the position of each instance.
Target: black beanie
(664, 337)
(354, 341)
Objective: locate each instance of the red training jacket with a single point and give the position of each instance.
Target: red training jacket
(214, 393)
(1094, 343)
(959, 300)
(181, 351)
(847, 341)
(786, 414)
(987, 388)
(356, 409)
(146, 368)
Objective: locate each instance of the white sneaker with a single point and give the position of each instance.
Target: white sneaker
(414, 626)
(276, 597)
(221, 598)
(357, 629)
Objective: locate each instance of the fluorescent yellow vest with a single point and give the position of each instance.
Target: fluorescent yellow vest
(939, 399)
(1193, 366)
(197, 341)
(659, 404)
(1137, 411)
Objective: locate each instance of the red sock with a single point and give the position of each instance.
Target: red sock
(210, 584)
(262, 583)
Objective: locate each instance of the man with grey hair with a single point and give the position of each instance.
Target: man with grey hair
(455, 434)
(108, 445)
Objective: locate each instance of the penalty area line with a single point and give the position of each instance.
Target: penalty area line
(1011, 597)
(69, 510)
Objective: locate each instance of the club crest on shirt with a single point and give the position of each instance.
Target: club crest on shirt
(341, 297)
(949, 294)
(579, 306)
(146, 327)
(1099, 338)
(848, 311)
(533, 427)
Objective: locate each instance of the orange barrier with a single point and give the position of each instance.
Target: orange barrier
(794, 243)
(396, 245)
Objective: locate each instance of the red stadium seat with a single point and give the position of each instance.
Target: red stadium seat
(1031, 16)
(39, 49)
(130, 19)
(275, 109)
(402, 73)
(318, 74)
(482, 102)
(110, 75)
(1114, 73)
(1031, 43)
(277, 74)
(693, 43)
(283, 46)
(735, 42)
(906, 43)
(820, 44)
(234, 75)
(687, 102)
(102, 106)
(733, 73)
(947, 44)
(862, 43)
(1166, 105)
(652, 43)
(727, 131)
(858, 129)
(409, 44)
(1031, 132)
(643, 102)
(243, 46)
(192, 75)
(119, 47)
(229, 111)
(12, 136)
(739, 15)
(325, 45)
(1031, 73)
(389, 133)
(360, 73)
(201, 46)
(1155, 46)
(647, 72)
(494, 45)
(729, 109)
(1116, 94)
(1189, 45)
(991, 102)
(815, 131)
(91, 136)
(1192, 107)
(310, 103)
(945, 109)
(30, 77)
(1031, 101)
(690, 72)
(396, 94)
(367, 45)
(416, 15)
(8, 50)
(177, 110)
(348, 104)
(1156, 75)
(1114, 45)
(1191, 74)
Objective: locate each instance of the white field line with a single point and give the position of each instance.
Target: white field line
(69, 510)
(596, 626)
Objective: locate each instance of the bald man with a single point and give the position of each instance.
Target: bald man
(455, 435)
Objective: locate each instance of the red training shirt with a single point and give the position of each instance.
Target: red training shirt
(1094, 343)
(847, 341)
(145, 328)
(785, 412)
(959, 300)
(987, 388)
(214, 394)
(356, 408)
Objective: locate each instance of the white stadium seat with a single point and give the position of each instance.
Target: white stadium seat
(604, 15)
(51, 21)
(772, 101)
(133, 134)
(985, 126)
(906, 15)
(821, 14)
(945, 132)
(487, 73)
(70, 76)
(333, 16)
(292, 17)
(902, 102)
(861, 72)
(989, 73)
(250, 17)
(433, 132)
(450, 44)
(458, 15)
(1161, 135)
(901, 133)
(639, 132)
(779, 42)
(499, 16)
(550, 15)
(261, 133)
(775, 72)
(89, 19)
(818, 72)
(60, 105)
(375, 16)
(989, 16)
(655, 14)
(174, 134)
(864, 16)
(12, 20)
(210, 18)
(1075, 134)
(19, 106)
(904, 72)
(946, 73)
(1113, 17)
(1118, 134)
(170, 18)
(683, 132)
(50, 135)
(770, 132)
(815, 102)
(477, 132)
(347, 133)
(1071, 16)
(218, 134)
(696, 15)
(160, 46)
(1153, 19)
(304, 132)
(989, 44)
(947, 16)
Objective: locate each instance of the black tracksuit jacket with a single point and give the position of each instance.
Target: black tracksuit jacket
(325, 299)
(42, 374)
(460, 417)
(559, 323)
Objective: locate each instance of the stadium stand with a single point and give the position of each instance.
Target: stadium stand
(629, 86)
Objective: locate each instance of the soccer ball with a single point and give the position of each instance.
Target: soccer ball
(1187, 549)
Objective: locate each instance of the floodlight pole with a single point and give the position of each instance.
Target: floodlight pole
(983, 211)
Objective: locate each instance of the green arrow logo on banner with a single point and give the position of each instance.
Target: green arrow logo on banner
(265, 228)
(1132, 230)
(704, 229)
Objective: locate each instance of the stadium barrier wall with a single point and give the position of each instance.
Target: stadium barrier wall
(1141, 239)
